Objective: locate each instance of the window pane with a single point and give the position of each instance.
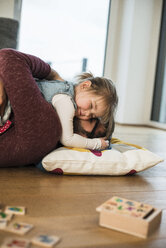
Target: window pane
(65, 33)
(159, 98)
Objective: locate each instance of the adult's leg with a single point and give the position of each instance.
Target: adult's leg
(36, 130)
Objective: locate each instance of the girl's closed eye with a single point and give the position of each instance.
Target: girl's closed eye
(92, 106)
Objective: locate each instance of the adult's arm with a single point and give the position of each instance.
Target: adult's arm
(3, 98)
(36, 127)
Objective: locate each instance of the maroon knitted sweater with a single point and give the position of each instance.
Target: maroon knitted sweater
(36, 127)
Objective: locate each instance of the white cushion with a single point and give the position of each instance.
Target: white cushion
(121, 159)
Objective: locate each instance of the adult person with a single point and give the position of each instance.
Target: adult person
(33, 128)
(92, 128)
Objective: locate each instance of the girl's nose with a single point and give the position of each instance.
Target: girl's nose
(87, 113)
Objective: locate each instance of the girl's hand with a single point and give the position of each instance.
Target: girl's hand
(104, 143)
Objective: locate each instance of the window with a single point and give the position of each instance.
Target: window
(159, 98)
(70, 35)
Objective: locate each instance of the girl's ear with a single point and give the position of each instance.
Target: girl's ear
(86, 84)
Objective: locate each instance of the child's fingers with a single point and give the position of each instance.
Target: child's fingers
(107, 142)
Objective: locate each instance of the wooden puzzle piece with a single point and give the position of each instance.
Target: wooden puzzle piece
(5, 216)
(15, 243)
(15, 210)
(3, 224)
(19, 228)
(45, 240)
(126, 207)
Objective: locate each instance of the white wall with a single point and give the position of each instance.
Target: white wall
(131, 56)
(7, 8)
(10, 9)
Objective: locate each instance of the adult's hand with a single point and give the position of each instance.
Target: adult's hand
(54, 75)
(3, 98)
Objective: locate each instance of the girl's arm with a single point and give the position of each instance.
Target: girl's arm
(66, 111)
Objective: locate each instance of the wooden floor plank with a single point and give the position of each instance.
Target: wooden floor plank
(66, 205)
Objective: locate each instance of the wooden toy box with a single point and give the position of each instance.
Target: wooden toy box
(129, 216)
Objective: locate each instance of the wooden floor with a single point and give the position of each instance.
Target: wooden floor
(65, 205)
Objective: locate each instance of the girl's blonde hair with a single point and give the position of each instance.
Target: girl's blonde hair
(103, 87)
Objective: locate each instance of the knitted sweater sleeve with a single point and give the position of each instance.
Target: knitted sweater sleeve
(38, 68)
(17, 72)
(36, 128)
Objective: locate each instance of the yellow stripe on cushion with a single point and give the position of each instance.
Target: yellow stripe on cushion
(118, 141)
(77, 149)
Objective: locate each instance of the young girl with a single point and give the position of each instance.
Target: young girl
(90, 97)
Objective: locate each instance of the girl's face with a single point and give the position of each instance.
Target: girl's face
(88, 105)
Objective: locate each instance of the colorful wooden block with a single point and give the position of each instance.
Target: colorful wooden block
(5, 216)
(45, 240)
(129, 216)
(19, 228)
(15, 210)
(15, 243)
